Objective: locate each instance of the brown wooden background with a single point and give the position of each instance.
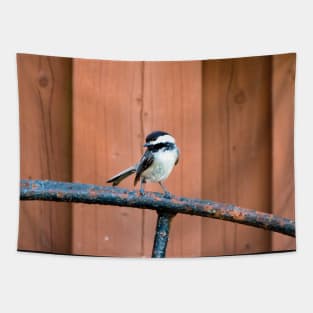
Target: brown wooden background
(84, 120)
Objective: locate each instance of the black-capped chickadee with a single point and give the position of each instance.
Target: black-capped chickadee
(155, 165)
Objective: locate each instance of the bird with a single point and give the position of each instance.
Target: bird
(155, 165)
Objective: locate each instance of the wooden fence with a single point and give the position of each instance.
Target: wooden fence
(84, 120)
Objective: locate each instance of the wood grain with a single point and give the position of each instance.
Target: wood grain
(236, 150)
(233, 122)
(45, 148)
(172, 102)
(107, 138)
(283, 198)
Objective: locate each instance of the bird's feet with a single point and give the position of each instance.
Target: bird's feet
(167, 195)
(141, 192)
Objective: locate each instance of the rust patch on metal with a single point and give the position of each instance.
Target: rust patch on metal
(25, 184)
(123, 196)
(93, 193)
(175, 201)
(238, 214)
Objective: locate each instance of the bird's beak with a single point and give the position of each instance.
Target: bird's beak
(147, 145)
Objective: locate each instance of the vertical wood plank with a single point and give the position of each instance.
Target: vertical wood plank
(45, 148)
(236, 150)
(107, 136)
(283, 198)
(215, 159)
(172, 102)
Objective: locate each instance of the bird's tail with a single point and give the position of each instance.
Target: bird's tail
(122, 175)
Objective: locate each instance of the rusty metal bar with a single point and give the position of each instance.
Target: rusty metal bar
(76, 192)
(161, 234)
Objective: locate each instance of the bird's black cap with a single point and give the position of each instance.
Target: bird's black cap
(155, 135)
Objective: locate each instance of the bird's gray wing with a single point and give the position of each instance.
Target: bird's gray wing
(146, 161)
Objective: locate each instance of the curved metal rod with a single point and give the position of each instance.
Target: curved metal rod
(94, 194)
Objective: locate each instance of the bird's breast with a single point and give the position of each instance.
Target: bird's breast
(161, 167)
